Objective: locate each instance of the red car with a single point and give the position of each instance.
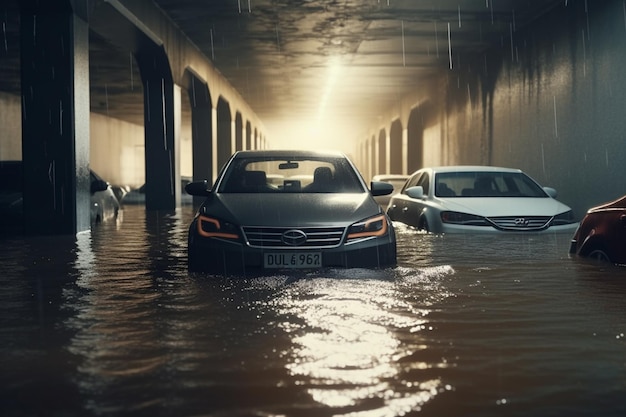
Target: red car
(602, 233)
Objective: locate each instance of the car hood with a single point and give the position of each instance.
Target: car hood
(291, 209)
(505, 206)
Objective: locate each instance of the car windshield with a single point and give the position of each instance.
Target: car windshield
(297, 175)
(486, 184)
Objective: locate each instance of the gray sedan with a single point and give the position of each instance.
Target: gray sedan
(320, 214)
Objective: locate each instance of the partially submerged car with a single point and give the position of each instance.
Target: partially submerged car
(478, 199)
(601, 234)
(104, 203)
(321, 214)
(138, 195)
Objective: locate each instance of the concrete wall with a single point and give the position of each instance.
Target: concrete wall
(116, 147)
(117, 150)
(553, 105)
(10, 127)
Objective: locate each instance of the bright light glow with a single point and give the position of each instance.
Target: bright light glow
(334, 71)
(320, 130)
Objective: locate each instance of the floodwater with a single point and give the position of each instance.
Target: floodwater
(111, 323)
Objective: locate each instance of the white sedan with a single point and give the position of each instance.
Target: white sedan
(476, 199)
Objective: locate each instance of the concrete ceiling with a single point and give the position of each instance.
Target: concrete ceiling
(339, 63)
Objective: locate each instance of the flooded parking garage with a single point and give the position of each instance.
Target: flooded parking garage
(111, 323)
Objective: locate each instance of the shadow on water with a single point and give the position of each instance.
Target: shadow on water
(111, 323)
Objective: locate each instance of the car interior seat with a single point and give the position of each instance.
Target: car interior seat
(322, 180)
(483, 186)
(255, 180)
(444, 191)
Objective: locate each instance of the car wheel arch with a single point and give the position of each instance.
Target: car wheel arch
(593, 247)
(422, 221)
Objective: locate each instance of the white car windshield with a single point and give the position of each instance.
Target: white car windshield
(298, 175)
(486, 184)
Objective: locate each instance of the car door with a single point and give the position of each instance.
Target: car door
(402, 204)
(415, 206)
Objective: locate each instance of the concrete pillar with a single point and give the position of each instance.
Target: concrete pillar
(162, 173)
(405, 150)
(387, 153)
(214, 141)
(233, 136)
(244, 138)
(55, 119)
(224, 132)
(201, 132)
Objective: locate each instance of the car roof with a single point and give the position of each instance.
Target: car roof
(285, 153)
(390, 177)
(472, 168)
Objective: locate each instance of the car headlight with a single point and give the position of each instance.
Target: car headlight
(563, 218)
(456, 217)
(212, 227)
(374, 226)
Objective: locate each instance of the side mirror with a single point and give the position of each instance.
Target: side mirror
(380, 188)
(198, 188)
(550, 191)
(415, 191)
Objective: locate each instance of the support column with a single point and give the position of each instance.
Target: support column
(214, 142)
(162, 174)
(55, 119)
(405, 150)
(202, 132)
(387, 151)
(233, 136)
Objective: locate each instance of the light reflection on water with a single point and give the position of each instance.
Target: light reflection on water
(346, 349)
(111, 323)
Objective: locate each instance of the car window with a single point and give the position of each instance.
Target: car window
(412, 181)
(424, 182)
(486, 184)
(301, 175)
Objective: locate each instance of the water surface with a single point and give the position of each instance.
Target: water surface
(111, 323)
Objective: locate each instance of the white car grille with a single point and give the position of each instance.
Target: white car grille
(279, 237)
(521, 223)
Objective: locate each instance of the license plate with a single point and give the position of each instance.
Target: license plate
(293, 260)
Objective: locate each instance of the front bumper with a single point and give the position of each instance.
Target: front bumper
(455, 228)
(220, 256)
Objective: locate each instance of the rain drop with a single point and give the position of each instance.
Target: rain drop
(163, 113)
(403, 51)
(436, 41)
(106, 97)
(4, 34)
(60, 118)
(556, 127)
(449, 47)
(132, 84)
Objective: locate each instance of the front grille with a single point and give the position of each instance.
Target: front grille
(521, 223)
(271, 237)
